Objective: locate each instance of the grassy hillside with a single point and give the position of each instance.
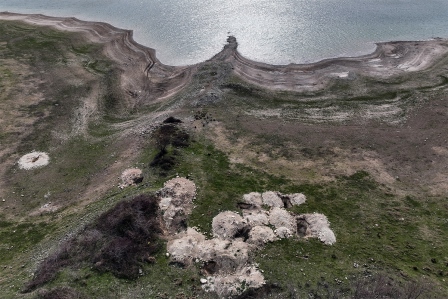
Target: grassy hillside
(369, 154)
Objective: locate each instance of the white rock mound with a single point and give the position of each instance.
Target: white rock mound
(319, 227)
(260, 235)
(256, 217)
(296, 199)
(226, 225)
(254, 199)
(176, 203)
(186, 247)
(33, 160)
(226, 260)
(279, 217)
(130, 177)
(230, 285)
(272, 199)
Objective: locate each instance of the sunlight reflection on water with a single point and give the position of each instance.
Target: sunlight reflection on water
(279, 32)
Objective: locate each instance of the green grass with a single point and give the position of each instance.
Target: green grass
(71, 168)
(17, 238)
(379, 231)
(369, 231)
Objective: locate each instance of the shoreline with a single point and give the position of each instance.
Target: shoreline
(142, 73)
(155, 81)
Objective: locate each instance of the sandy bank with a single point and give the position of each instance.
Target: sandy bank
(146, 78)
(389, 59)
(143, 76)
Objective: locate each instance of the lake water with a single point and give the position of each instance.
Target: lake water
(278, 32)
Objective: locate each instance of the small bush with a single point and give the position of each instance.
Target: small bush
(172, 120)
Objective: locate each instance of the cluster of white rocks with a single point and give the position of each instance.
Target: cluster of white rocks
(176, 203)
(269, 208)
(226, 262)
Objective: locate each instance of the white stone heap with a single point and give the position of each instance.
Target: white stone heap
(235, 236)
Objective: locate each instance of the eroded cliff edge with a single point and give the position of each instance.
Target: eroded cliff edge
(148, 79)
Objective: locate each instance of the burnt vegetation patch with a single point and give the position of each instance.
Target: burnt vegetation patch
(240, 89)
(168, 139)
(119, 241)
(172, 120)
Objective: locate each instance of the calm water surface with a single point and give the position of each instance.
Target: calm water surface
(278, 32)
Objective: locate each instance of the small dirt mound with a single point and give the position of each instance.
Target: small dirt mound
(290, 200)
(228, 254)
(176, 203)
(260, 235)
(284, 232)
(231, 285)
(253, 199)
(186, 247)
(279, 218)
(226, 225)
(256, 217)
(180, 188)
(131, 177)
(33, 160)
(276, 199)
(272, 199)
(296, 199)
(318, 227)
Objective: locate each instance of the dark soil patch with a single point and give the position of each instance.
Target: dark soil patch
(302, 227)
(117, 242)
(168, 138)
(163, 160)
(172, 120)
